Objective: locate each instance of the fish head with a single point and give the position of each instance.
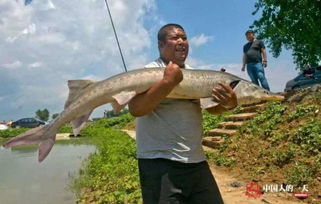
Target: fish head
(248, 93)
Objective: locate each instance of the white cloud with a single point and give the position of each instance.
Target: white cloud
(31, 29)
(51, 5)
(200, 40)
(13, 65)
(35, 64)
(64, 40)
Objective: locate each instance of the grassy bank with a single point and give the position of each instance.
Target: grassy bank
(110, 175)
(281, 145)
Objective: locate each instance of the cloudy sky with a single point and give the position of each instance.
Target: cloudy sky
(47, 42)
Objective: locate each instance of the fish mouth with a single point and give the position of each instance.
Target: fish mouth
(233, 84)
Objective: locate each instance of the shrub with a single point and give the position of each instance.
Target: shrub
(12, 132)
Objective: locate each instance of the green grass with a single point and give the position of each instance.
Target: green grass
(282, 144)
(12, 132)
(211, 121)
(110, 175)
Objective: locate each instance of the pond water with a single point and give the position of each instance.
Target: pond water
(24, 180)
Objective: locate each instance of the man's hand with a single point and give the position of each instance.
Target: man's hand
(243, 69)
(225, 96)
(145, 102)
(172, 74)
(264, 63)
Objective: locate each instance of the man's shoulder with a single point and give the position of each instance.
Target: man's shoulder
(156, 63)
(160, 63)
(247, 44)
(260, 43)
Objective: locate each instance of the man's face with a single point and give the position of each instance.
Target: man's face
(250, 37)
(175, 47)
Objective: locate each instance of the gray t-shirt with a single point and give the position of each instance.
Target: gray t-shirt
(253, 51)
(173, 130)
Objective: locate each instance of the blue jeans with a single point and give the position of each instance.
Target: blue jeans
(256, 73)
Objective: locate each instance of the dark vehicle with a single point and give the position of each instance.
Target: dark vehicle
(305, 79)
(27, 122)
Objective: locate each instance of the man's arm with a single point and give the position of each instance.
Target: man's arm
(144, 103)
(226, 98)
(263, 50)
(243, 62)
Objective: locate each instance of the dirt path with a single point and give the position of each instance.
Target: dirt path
(236, 195)
(62, 136)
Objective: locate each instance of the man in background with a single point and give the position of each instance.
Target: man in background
(253, 51)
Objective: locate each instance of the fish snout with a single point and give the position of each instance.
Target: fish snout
(274, 97)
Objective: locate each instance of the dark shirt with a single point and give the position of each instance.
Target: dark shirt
(253, 51)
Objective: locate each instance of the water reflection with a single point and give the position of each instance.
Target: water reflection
(24, 180)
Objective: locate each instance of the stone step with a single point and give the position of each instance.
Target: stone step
(209, 142)
(240, 117)
(253, 108)
(231, 124)
(215, 138)
(221, 132)
(207, 149)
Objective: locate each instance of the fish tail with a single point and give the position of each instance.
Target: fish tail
(43, 136)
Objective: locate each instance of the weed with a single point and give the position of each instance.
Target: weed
(211, 121)
(266, 121)
(221, 159)
(302, 110)
(309, 136)
(299, 174)
(284, 156)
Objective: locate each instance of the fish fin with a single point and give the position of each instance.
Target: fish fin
(121, 100)
(124, 97)
(27, 138)
(79, 123)
(116, 107)
(207, 103)
(75, 87)
(45, 147)
(39, 135)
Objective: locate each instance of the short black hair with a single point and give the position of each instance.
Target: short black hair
(249, 31)
(162, 33)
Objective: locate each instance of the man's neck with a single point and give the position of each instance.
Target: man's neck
(166, 62)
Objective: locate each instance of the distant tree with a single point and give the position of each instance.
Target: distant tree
(294, 24)
(110, 113)
(54, 115)
(42, 114)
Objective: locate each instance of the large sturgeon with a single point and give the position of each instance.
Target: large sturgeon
(85, 96)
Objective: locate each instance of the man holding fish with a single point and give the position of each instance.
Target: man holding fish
(171, 160)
